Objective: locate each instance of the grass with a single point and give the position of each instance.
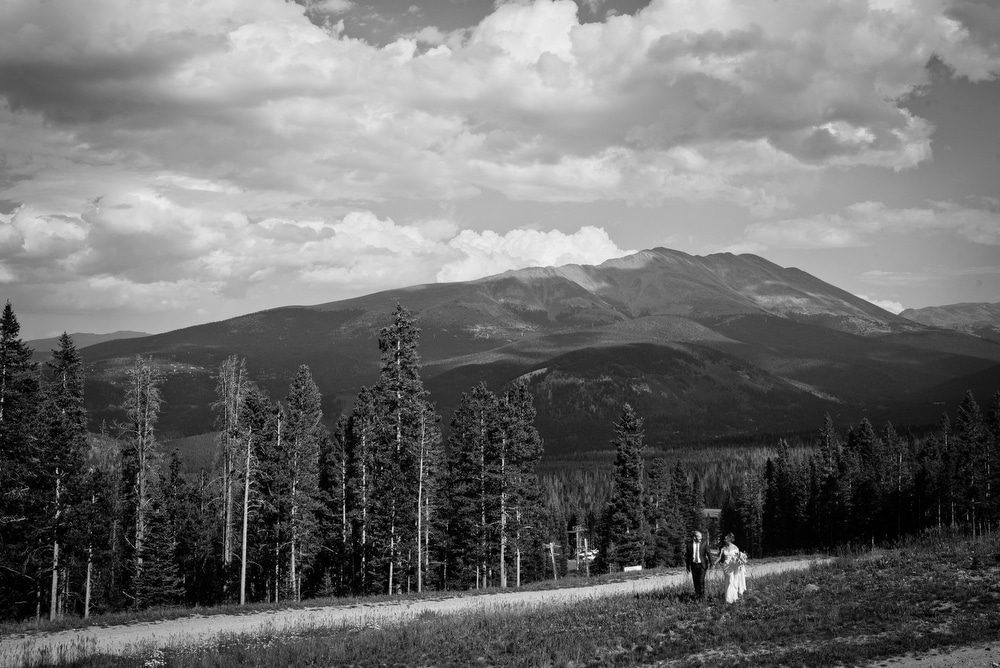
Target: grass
(923, 595)
(30, 627)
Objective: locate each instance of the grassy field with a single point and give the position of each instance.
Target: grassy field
(928, 593)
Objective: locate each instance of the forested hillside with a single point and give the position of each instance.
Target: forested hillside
(719, 347)
(287, 509)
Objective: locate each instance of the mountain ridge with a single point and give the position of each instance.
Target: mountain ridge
(977, 318)
(704, 346)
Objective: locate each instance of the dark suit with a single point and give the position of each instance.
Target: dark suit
(699, 568)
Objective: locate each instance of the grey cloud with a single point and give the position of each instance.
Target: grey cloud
(982, 19)
(96, 87)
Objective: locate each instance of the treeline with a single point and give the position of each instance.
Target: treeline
(869, 486)
(864, 487)
(290, 510)
(383, 503)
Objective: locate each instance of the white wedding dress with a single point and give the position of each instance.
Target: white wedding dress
(736, 574)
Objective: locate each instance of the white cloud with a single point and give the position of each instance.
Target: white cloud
(887, 304)
(151, 254)
(484, 253)
(864, 222)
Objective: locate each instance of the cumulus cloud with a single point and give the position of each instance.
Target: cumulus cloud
(251, 92)
(491, 253)
(155, 255)
(887, 304)
(862, 223)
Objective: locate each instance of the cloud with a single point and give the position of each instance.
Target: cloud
(330, 6)
(253, 94)
(887, 304)
(865, 222)
(902, 279)
(487, 252)
(150, 254)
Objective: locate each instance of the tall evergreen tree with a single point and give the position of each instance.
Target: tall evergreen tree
(20, 464)
(334, 486)
(407, 437)
(474, 486)
(160, 580)
(361, 440)
(627, 530)
(63, 450)
(263, 482)
(301, 455)
(683, 499)
(993, 459)
(972, 447)
(665, 519)
(180, 506)
(697, 508)
(864, 452)
(521, 496)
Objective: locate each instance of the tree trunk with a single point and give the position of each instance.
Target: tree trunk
(86, 589)
(420, 502)
(246, 518)
(55, 555)
(54, 596)
(503, 518)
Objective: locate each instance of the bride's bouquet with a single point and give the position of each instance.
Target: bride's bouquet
(742, 558)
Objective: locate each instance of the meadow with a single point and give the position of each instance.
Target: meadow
(931, 592)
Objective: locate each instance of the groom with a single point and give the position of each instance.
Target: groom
(698, 560)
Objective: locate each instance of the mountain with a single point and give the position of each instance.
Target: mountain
(80, 340)
(712, 347)
(979, 319)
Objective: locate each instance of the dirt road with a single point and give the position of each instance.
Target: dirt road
(194, 630)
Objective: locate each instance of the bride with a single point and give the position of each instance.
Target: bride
(732, 566)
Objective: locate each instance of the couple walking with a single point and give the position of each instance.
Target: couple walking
(699, 559)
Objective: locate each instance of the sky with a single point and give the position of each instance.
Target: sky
(165, 163)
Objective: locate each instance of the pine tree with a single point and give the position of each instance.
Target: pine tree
(63, 450)
(697, 509)
(430, 493)
(159, 582)
(665, 523)
(474, 487)
(263, 481)
(683, 499)
(993, 459)
(334, 487)
(864, 450)
(521, 497)
(750, 505)
(179, 506)
(20, 465)
(304, 435)
(972, 449)
(834, 495)
(406, 437)
(627, 530)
